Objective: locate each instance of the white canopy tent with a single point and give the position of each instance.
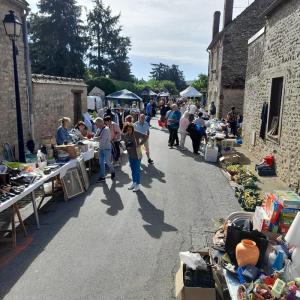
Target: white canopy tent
(190, 92)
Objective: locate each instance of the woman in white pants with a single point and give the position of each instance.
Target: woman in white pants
(183, 125)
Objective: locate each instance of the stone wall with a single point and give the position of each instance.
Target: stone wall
(7, 84)
(53, 98)
(214, 74)
(236, 97)
(235, 43)
(276, 53)
(235, 38)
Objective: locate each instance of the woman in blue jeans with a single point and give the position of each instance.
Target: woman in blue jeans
(133, 141)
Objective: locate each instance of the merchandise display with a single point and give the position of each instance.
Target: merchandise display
(257, 263)
(246, 190)
(64, 166)
(246, 253)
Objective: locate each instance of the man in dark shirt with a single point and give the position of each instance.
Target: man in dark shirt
(232, 117)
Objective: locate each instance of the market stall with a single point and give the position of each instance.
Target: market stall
(124, 97)
(190, 92)
(219, 141)
(251, 256)
(55, 170)
(66, 163)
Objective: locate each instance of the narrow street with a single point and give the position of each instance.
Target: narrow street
(114, 244)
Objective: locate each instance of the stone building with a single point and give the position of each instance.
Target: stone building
(54, 98)
(7, 84)
(273, 84)
(228, 54)
(44, 99)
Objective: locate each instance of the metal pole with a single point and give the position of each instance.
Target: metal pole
(18, 106)
(28, 74)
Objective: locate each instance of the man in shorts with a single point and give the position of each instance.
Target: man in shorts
(143, 127)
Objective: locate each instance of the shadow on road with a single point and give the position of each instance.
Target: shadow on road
(54, 214)
(150, 172)
(113, 199)
(122, 178)
(154, 217)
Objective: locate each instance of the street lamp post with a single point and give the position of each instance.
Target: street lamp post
(12, 25)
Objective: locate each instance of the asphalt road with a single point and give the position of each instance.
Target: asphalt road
(114, 244)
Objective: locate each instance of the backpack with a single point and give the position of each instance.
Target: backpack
(200, 129)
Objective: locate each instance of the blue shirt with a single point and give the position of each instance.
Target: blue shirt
(62, 136)
(174, 119)
(142, 128)
(149, 109)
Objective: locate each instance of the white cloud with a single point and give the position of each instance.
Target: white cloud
(173, 30)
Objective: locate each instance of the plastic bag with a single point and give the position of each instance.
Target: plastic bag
(193, 260)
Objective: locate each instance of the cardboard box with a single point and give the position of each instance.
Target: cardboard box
(283, 228)
(71, 149)
(261, 220)
(288, 199)
(191, 293)
(272, 207)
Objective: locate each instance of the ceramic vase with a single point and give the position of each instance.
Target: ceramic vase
(247, 253)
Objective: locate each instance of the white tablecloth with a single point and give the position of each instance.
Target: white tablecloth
(60, 171)
(90, 154)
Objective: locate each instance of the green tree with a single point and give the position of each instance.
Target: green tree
(201, 83)
(108, 52)
(121, 85)
(168, 85)
(160, 71)
(57, 39)
(172, 73)
(160, 85)
(176, 75)
(105, 84)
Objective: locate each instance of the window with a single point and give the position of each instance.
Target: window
(275, 107)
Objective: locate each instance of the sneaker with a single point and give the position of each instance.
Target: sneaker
(101, 179)
(131, 187)
(136, 188)
(150, 161)
(113, 175)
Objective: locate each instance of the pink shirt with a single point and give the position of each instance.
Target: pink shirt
(183, 125)
(115, 132)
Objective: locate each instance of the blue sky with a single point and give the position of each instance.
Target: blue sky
(167, 31)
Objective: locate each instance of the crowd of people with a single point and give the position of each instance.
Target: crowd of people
(129, 130)
(191, 120)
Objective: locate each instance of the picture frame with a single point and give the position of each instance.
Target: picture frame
(72, 184)
(83, 173)
(274, 126)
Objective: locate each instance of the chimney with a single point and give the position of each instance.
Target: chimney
(228, 11)
(216, 24)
